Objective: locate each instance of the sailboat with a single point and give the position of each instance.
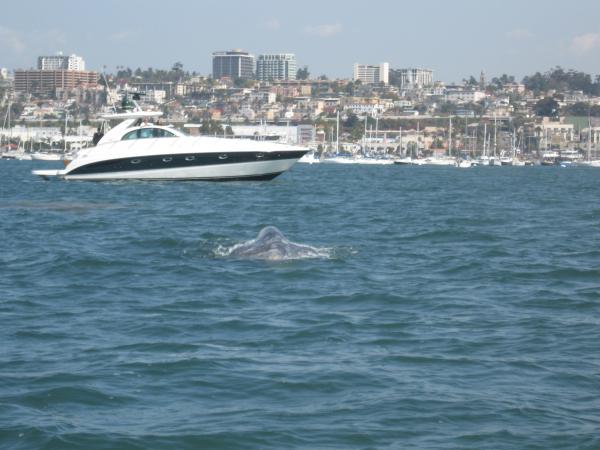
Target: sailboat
(484, 159)
(445, 160)
(337, 158)
(494, 160)
(7, 152)
(55, 155)
(589, 161)
(506, 160)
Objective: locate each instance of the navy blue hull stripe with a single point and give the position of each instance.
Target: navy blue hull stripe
(157, 162)
(261, 177)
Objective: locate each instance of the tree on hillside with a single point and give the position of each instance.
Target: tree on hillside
(303, 73)
(547, 107)
(563, 80)
(472, 81)
(501, 81)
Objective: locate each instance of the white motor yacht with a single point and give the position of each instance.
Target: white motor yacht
(46, 156)
(138, 149)
(463, 163)
(440, 161)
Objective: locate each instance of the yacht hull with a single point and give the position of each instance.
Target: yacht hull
(218, 167)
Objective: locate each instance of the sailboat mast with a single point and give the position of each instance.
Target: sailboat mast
(450, 137)
(376, 133)
(465, 149)
(589, 149)
(9, 126)
(495, 134)
(400, 139)
(337, 134)
(514, 143)
(365, 137)
(418, 137)
(484, 138)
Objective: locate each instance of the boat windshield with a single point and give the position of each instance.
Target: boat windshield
(145, 133)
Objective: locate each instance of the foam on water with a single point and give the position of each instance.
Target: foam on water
(272, 245)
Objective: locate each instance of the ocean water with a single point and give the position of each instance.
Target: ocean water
(455, 309)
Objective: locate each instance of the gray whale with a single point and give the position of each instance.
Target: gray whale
(272, 245)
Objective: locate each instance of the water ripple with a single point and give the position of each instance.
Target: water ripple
(457, 309)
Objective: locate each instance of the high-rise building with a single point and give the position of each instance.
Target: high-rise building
(61, 62)
(372, 74)
(415, 78)
(233, 64)
(276, 66)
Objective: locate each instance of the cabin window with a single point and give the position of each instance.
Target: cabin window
(159, 132)
(145, 133)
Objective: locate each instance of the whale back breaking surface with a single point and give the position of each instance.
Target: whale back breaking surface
(272, 245)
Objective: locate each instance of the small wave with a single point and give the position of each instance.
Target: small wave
(59, 206)
(71, 394)
(224, 251)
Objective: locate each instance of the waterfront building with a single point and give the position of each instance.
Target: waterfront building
(291, 134)
(47, 82)
(276, 66)
(413, 78)
(555, 134)
(61, 62)
(233, 64)
(593, 135)
(25, 133)
(372, 74)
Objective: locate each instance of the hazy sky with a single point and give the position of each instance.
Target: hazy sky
(454, 38)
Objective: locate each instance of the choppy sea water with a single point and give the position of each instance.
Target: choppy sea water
(456, 309)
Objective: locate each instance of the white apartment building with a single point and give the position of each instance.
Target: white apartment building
(276, 66)
(61, 62)
(362, 109)
(412, 78)
(371, 74)
(157, 96)
(403, 104)
(460, 96)
(25, 133)
(290, 134)
(557, 133)
(594, 134)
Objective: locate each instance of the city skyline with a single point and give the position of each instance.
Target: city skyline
(455, 40)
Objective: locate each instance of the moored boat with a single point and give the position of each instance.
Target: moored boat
(138, 148)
